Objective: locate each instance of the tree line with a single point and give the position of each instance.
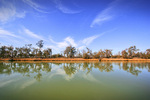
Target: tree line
(28, 51)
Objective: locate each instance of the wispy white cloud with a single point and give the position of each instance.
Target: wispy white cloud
(9, 11)
(106, 14)
(31, 34)
(89, 40)
(64, 9)
(80, 45)
(21, 14)
(35, 6)
(9, 38)
(6, 13)
(70, 41)
(67, 41)
(102, 17)
(4, 33)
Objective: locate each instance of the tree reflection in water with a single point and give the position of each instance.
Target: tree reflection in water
(69, 68)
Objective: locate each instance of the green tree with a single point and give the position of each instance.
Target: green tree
(132, 51)
(108, 53)
(3, 51)
(148, 53)
(124, 53)
(47, 53)
(87, 54)
(28, 50)
(78, 54)
(70, 51)
(10, 51)
(40, 45)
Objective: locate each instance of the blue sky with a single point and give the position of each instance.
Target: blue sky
(97, 24)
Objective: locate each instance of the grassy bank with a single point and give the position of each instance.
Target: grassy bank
(47, 59)
(70, 59)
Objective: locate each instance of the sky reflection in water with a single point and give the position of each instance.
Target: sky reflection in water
(81, 78)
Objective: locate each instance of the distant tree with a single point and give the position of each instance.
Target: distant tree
(108, 53)
(20, 52)
(47, 53)
(119, 55)
(87, 54)
(70, 51)
(78, 54)
(95, 55)
(132, 51)
(101, 53)
(148, 53)
(56, 56)
(15, 53)
(40, 45)
(67, 51)
(35, 52)
(124, 53)
(10, 51)
(3, 51)
(28, 49)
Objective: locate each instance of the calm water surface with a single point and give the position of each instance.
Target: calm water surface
(74, 81)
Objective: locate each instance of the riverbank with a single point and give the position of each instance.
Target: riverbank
(71, 59)
(47, 59)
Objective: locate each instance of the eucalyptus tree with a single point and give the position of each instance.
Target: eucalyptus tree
(28, 50)
(89, 52)
(10, 51)
(124, 53)
(15, 53)
(70, 51)
(20, 52)
(108, 53)
(35, 52)
(40, 45)
(47, 53)
(67, 51)
(3, 51)
(95, 55)
(78, 54)
(132, 51)
(101, 53)
(148, 53)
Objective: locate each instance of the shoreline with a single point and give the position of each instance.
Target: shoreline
(71, 59)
